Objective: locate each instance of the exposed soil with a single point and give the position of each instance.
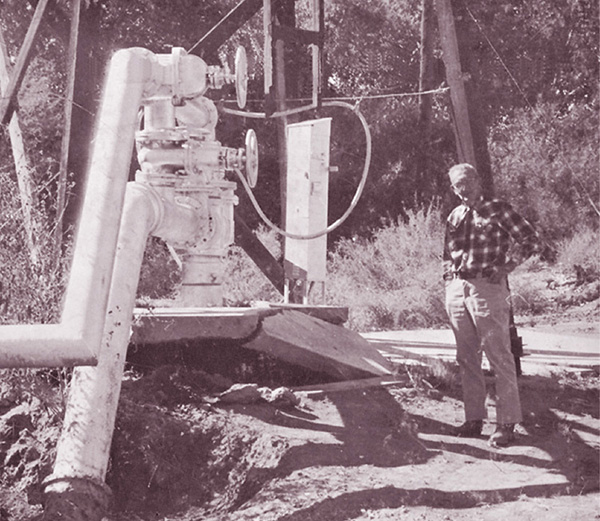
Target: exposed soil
(188, 446)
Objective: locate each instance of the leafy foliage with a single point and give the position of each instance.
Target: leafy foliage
(373, 42)
(582, 253)
(546, 163)
(529, 52)
(394, 279)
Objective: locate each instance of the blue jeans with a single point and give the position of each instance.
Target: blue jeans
(479, 315)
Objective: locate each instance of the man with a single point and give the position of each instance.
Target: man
(479, 233)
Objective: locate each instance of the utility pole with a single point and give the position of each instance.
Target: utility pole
(466, 36)
(425, 83)
(470, 133)
(455, 78)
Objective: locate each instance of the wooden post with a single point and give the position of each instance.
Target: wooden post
(284, 15)
(7, 101)
(83, 109)
(318, 23)
(454, 75)
(470, 132)
(467, 33)
(66, 138)
(268, 47)
(281, 105)
(22, 164)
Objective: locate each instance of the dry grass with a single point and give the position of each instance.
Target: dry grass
(392, 280)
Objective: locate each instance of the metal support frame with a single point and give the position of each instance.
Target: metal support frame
(7, 101)
(276, 36)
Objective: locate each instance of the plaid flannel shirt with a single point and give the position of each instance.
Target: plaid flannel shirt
(479, 239)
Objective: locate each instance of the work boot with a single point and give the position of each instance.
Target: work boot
(469, 429)
(503, 435)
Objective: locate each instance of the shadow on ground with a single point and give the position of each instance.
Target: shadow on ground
(395, 429)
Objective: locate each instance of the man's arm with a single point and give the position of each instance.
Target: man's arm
(526, 242)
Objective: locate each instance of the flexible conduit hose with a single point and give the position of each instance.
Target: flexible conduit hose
(357, 194)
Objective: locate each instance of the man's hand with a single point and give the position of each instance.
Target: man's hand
(500, 273)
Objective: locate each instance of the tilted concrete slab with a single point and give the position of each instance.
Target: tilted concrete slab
(300, 339)
(159, 325)
(164, 324)
(291, 333)
(332, 314)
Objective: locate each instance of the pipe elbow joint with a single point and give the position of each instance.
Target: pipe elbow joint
(167, 218)
(179, 223)
(135, 64)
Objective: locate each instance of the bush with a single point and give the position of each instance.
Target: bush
(546, 163)
(394, 279)
(31, 285)
(581, 252)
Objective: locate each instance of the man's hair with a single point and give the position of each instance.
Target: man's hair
(463, 169)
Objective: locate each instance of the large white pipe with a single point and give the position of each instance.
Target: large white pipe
(76, 488)
(83, 448)
(76, 339)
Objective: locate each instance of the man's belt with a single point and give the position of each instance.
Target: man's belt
(472, 274)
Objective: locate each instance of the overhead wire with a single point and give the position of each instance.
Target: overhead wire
(337, 98)
(355, 198)
(326, 102)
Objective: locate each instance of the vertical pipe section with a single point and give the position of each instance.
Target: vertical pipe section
(76, 339)
(76, 489)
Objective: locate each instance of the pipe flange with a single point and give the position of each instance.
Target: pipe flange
(76, 497)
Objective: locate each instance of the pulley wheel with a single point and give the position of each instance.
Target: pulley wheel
(251, 158)
(241, 77)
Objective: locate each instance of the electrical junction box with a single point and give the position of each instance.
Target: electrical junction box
(307, 192)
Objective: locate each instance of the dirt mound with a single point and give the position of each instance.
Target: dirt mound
(185, 442)
(31, 412)
(175, 448)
